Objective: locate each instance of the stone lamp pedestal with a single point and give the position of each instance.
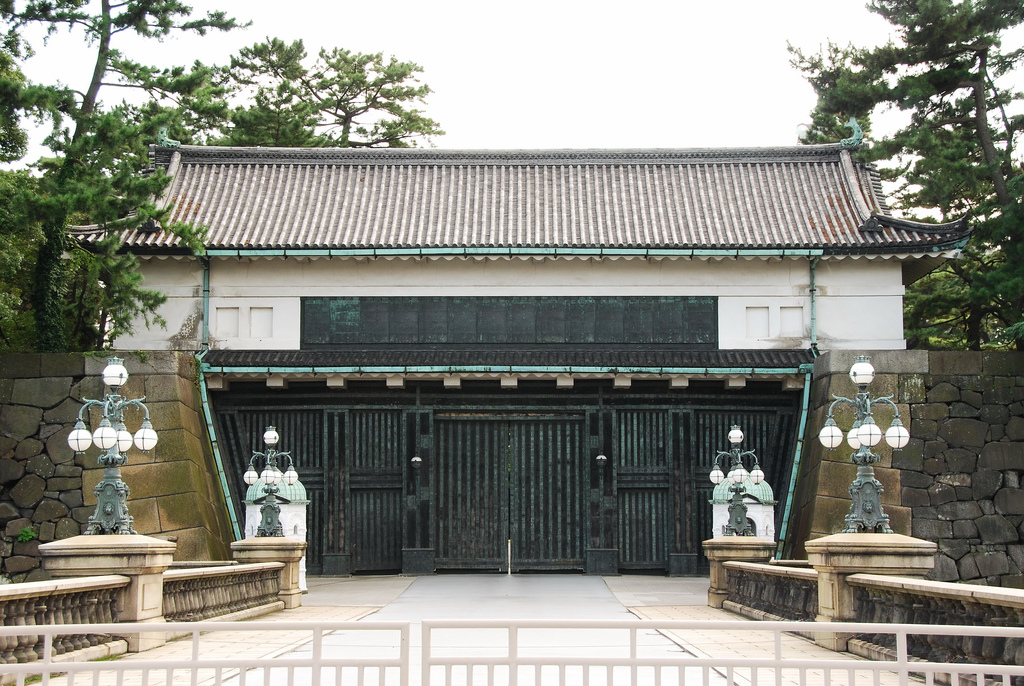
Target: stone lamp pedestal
(275, 549)
(837, 557)
(141, 558)
(732, 549)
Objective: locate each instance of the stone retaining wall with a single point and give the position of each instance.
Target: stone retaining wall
(957, 483)
(46, 491)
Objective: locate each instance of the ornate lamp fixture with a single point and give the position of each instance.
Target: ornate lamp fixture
(738, 524)
(866, 514)
(111, 516)
(271, 476)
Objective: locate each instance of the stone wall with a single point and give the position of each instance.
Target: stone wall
(46, 491)
(957, 483)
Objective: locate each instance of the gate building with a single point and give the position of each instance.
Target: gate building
(521, 360)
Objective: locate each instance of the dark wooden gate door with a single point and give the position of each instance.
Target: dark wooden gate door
(644, 486)
(375, 451)
(508, 483)
(547, 473)
(470, 493)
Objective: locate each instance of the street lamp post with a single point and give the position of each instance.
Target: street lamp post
(112, 436)
(270, 522)
(866, 515)
(738, 524)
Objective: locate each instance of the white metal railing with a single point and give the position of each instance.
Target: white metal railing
(507, 653)
(242, 653)
(708, 653)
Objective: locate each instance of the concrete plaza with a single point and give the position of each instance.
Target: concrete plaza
(510, 597)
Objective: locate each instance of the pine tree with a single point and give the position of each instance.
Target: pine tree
(342, 99)
(98, 153)
(955, 158)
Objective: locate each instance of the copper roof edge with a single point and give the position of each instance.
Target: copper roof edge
(198, 154)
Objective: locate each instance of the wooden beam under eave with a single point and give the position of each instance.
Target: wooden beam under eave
(277, 381)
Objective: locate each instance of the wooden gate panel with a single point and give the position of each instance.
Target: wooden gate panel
(549, 476)
(643, 486)
(375, 517)
(470, 493)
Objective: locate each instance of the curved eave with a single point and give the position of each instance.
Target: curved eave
(314, 371)
(955, 243)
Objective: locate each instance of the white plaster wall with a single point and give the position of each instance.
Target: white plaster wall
(763, 517)
(254, 303)
(181, 280)
(860, 305)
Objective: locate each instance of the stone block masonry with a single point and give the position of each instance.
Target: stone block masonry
(957, 484)
(46, 491)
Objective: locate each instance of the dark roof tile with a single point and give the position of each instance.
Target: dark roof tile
(805, 197)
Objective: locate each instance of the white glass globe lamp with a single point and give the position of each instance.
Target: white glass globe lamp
(831, 436)
(852, 437)
(290, 476)
(716, 475)
(124, 438)
(862, 373)
(897, 435)
(105, 436)
(145, 437)
(80, 438)
(270, 436)
(735, 435)
(869, 433)
(250, 477)
(114, 374)
(739, 474)
(271, 476)
(757, 474)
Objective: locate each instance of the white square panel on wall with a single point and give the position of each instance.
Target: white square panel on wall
(757, 322)
(227, 322)
(261, 322)
(791, 320)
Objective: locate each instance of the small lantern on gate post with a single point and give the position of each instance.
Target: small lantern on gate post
(738, 524)
(270, 512)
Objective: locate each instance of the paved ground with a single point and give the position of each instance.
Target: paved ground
(480, 597)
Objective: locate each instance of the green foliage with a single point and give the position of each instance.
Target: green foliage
(18, 242)
(26, 534)
(88, 299)
(13, 140)
(955, 158)
(341, 99)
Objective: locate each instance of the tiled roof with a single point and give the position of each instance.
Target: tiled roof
(610, 358)
(811, 197)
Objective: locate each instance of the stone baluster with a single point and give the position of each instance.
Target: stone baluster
(62, 613)
(79, 615)
(7, 643)
(1013, 649)
(972, 645)
(992, 646)
(23, 650)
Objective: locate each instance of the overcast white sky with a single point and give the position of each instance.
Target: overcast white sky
(556, 73)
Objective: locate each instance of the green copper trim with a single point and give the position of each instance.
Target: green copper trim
(857, 139)
(503, 369)
(797, 456)
(511, 251)
(212, 432)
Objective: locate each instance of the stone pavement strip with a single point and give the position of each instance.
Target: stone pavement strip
(755, 644)
(523, 596)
